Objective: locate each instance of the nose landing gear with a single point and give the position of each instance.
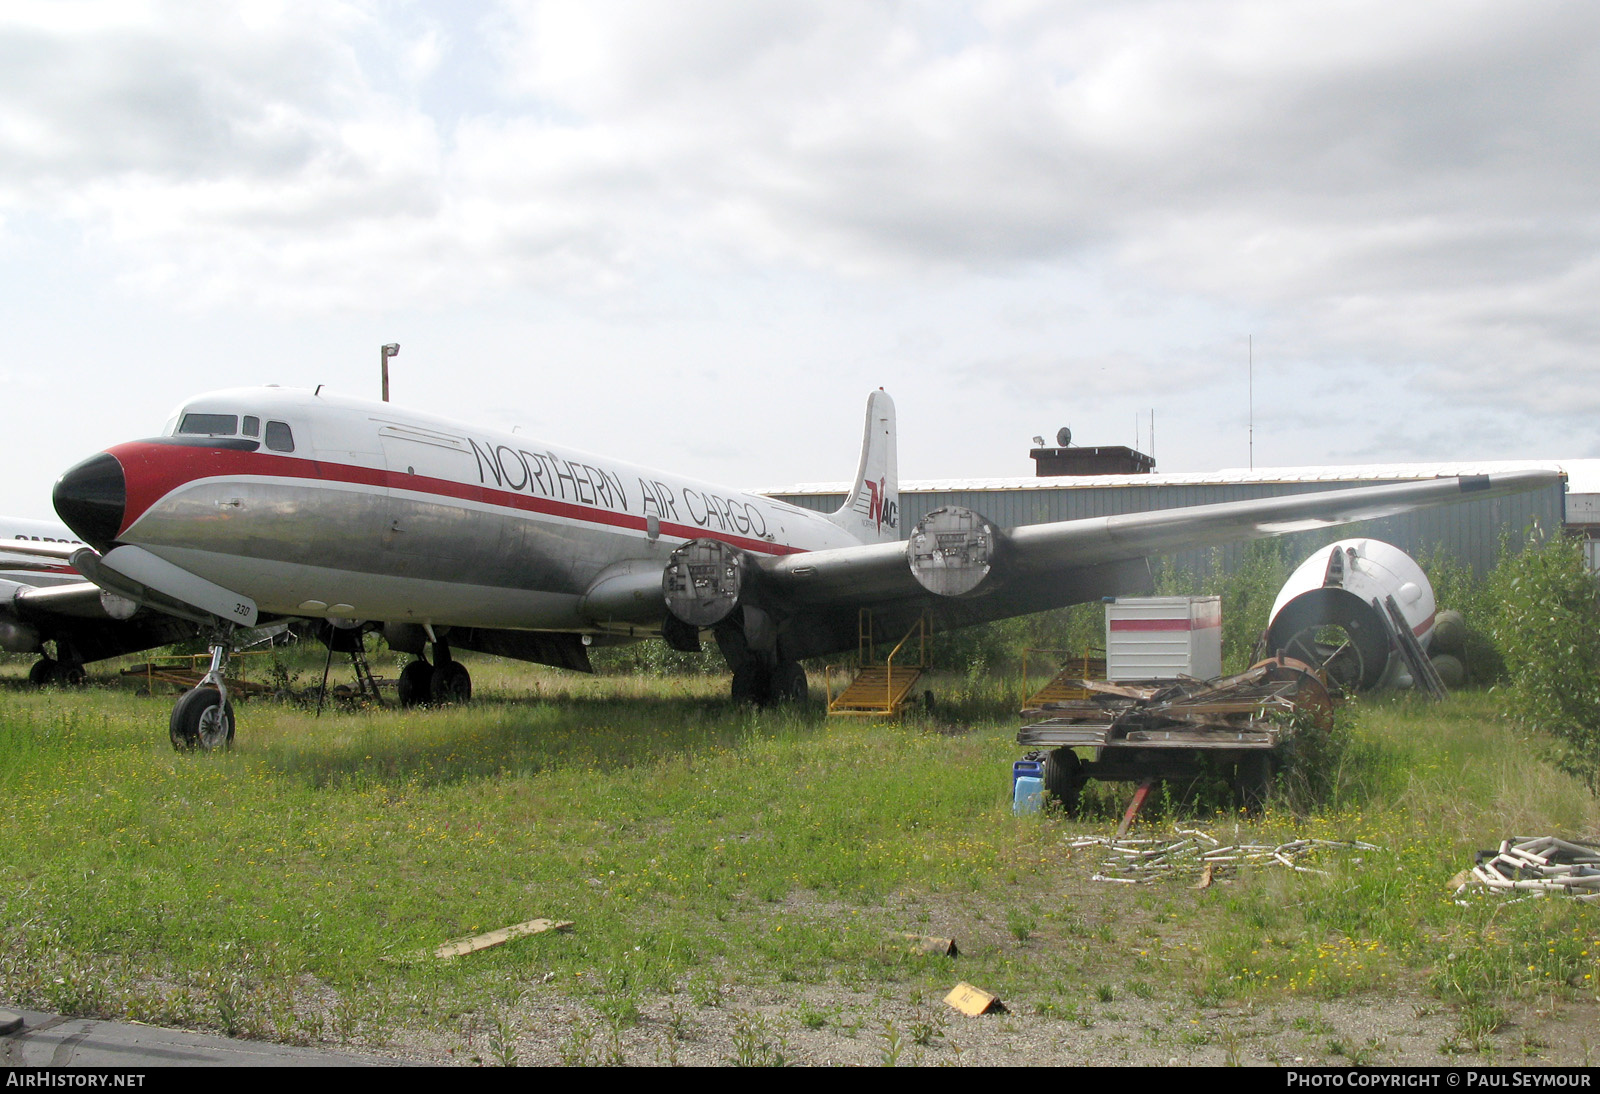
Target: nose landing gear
(202, 718)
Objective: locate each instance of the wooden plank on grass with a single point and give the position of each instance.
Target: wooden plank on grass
(459, 946)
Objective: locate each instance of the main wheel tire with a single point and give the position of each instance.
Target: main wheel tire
(452, 683)
(70, 674)
(42, 672)
(1064, 777)
(752, 683)
(789, 683)
(416, 684)
(201, 720)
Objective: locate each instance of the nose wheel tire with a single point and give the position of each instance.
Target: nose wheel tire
(200, 720)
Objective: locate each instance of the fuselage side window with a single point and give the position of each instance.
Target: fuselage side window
(252, 426)
(279, 437)
(209, 425)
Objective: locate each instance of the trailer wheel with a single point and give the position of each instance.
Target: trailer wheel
(1064, 777)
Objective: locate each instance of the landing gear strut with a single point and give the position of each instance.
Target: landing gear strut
(203, 717)
(762, 677)
(444, 681)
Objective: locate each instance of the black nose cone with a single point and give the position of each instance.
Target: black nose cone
(91, 499)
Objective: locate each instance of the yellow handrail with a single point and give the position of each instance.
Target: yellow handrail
(920, 629)
(1089, 654)
(865, 639)
(1040, 649)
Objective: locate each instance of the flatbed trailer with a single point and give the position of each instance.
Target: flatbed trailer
(1235, 727)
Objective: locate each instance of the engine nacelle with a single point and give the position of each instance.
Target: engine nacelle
(19, 638)
(703, 581)
(117, 607)
(405, 638)
(1336, 588)
(952, 550)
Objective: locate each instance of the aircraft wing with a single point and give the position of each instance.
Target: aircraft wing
(85, 622)
(965, 570)
(1104, 539)
(81, 599)
(28, 554)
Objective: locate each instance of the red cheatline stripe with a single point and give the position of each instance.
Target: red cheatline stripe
(1155, 625)
(153, 470)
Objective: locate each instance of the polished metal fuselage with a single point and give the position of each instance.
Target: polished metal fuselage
(390, 515)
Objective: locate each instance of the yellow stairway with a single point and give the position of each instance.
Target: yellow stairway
(1060, 689)
(881, 690)
(877, 689)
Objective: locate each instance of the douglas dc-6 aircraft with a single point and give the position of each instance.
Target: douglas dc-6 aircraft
(273, 502)
(43, 599)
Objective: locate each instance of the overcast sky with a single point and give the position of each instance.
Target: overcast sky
(695, 233)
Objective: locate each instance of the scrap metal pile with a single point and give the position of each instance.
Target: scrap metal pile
(1250, 709)
(1539, 865)
(1195, 854)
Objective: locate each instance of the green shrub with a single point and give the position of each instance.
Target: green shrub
(1548, 630)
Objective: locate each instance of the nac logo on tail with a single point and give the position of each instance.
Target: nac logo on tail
(871, 504)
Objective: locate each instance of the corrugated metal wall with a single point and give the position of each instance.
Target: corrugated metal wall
(1469, 531)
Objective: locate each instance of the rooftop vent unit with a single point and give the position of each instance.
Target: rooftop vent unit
(1108, 460)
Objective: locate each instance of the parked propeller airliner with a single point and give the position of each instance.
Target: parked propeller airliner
(286, 503)
(44, 600)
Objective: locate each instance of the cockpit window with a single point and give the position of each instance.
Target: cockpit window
(209, 425)
(279, 437)
(252, 426)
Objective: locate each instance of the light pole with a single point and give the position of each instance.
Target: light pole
(390, 350)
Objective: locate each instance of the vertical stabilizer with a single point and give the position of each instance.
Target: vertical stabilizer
(871, 511)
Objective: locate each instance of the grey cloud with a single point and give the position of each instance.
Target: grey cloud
(86, 106)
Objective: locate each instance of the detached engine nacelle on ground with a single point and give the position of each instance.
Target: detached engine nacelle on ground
(1331, 613)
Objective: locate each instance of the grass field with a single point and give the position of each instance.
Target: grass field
(740, 884)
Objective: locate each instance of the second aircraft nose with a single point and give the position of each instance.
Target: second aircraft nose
(91, 499)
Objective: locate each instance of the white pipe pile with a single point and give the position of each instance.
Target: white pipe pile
(1538, 865)
(1133, 861)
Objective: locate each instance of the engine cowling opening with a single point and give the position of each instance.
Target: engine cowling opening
(952, 551)
(703, 581)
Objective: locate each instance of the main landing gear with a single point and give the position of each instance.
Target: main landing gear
(47, 670)
(761, 674)
(767, 683)
(444, 681)
(202, 718)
